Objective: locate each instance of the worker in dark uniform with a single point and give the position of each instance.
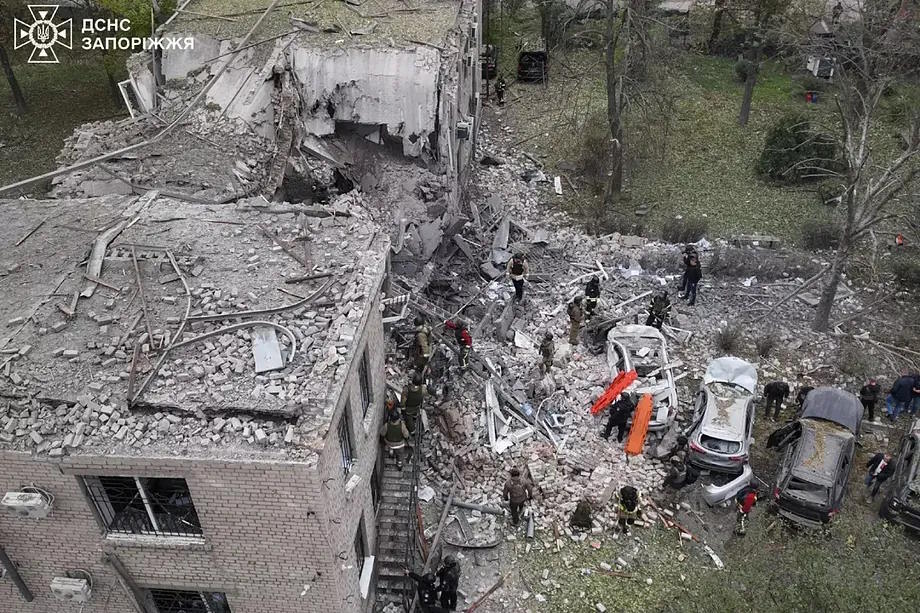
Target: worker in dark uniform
(775, 393)
(547, 352)
(449, 576)
(659, 310)
(422, 344)
(412, 398)
(500, 90)
(628, 508)
(688, 251)
(619, 415)
(801, 395)
(518, 271)
(592, 295)
(464, 340)
(517, 491)
(427, 591)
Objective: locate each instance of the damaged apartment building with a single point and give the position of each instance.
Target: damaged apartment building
(190, 400)
(299, 104)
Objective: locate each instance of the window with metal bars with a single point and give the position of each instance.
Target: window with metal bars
(360, 549)
(375, 488)
(345, 441)
(364, 376)
(141, 505)
(180, 601)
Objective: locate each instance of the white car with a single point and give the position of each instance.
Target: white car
(643, 349)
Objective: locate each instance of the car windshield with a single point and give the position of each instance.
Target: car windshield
(728, 390)
(805, 490)
(718, 445)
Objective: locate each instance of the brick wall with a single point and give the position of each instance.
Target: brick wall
(269, 528)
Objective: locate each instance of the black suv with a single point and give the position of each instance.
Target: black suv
(902, 500)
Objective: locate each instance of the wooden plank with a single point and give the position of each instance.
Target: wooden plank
(31, 232)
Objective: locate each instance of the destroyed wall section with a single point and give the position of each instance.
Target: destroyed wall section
(385, 86)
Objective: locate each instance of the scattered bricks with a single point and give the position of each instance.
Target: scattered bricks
(169, 299)
(106, 409)
(289, 435)
(108, 363)
(56, 452)
(261, 437)
(110, 304)
(16, 379)
(16, 321)
(218, 423)
(36, 437)
(174, 418)
(25, 349)
(104, 320)
(234, 424)
(600, 607)
(70, 353)
(122, 433)
(108, 350)
(58, 326)
(96, 386)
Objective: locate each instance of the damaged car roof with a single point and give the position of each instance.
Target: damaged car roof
(834, 405)
(819, 450)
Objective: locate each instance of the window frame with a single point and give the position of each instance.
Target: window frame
(149, 510)
(206, 598)
(360, 546)
(365, 384)
(346, 444)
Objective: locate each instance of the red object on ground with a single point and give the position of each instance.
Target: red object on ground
(620, 383)
(639, 428)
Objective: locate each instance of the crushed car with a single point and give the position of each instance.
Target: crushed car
(901, 503)
(719, 436)
(644, 349)
(812, 478)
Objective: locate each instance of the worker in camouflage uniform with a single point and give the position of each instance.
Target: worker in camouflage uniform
(547, 352)
(576, 318)
(412, 398)
(394, 432)
(659, 310)
(517, 491)
(422, 352)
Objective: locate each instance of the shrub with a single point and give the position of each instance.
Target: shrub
(743, 68)
(728, 339)
(794, 153)
(684, 230)
(820, 234)
(906, 268)
(765, 344)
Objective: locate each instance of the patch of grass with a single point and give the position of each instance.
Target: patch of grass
(60, 98)
(905, 265)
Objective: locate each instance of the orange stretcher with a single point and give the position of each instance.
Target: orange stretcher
(620, 383)
(639, 428)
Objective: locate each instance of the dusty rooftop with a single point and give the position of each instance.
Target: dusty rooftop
(338, 22)
(78, 367)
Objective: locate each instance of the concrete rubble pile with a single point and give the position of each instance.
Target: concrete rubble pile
(581, 464)
(207, 158)
(67, 369)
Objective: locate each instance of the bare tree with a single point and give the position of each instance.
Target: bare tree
(762, 15)
(873, 51)
(9, 10)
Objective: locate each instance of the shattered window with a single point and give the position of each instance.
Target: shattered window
(375, 488)
(718, 445)
(178, 601)
(134, 505)
(364, 376)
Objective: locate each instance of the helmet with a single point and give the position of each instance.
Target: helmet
(428, 578)
(419, 320)
(515, 472)
(548, 336)
(450, 561)
(577, 299)
(417, 378)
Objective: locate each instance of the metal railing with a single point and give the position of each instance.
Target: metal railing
(412, 520)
